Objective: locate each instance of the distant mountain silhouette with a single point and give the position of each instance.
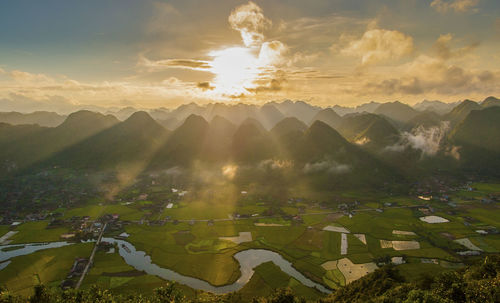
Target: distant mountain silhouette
(41, 118)
(396, 111)
(359, 146)
(329, 116)
(436, 106)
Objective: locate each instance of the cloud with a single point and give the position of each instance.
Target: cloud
(428, 74)
(21, 76)
(458, 6)
(444, 51)
(229, 171)
(249, 20)
(174, 63)
(272, 82)
(378, 45)
(328, 166)
(22, 103)
(273, 164)
(205, 85)
(427, 140)
(453, 151)
(24, 91)
(173, 171)
(272, 53)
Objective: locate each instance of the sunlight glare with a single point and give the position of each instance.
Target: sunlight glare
(235, 69)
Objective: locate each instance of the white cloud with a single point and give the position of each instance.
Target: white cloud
(378, 45)
(273, 164)
(459, 6)
(249, 20)
(21, 76)
(328, 166)
(272, 53)
(427, 140)
(229, 171)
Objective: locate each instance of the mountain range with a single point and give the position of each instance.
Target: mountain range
(321, 144)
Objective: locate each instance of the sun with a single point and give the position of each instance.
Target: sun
(235, 69)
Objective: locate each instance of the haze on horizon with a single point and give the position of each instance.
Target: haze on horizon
(57, 55)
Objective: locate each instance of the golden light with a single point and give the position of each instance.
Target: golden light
(229, 171)
(235, 69)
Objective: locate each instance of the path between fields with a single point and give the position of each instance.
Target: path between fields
(91, 259)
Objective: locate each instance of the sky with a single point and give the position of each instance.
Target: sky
(58, 54)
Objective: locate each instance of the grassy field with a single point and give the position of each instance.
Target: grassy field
(268, 277)
(111, 272)
(194, 248)
(37, 232)
(48, 266)
(487, 215)
(4, 229)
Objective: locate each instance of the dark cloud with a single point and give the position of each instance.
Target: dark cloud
(185, 63)
(272, 83)
(173, 63)
(205, 86)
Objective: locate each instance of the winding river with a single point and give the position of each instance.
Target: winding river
(248, 260)
(26, 249)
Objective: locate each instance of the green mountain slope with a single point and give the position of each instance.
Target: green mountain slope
(132, 141)
(459, 112)
(477, 137)
(368, 130)
(490, 101)
(183, 145)
(41, 145)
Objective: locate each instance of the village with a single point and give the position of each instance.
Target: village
(407, 232)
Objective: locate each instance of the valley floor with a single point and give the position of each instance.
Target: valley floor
(197, 236)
